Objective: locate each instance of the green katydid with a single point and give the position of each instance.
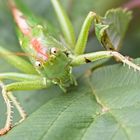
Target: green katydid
(51, 60)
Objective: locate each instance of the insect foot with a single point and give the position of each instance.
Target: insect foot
(124, 60)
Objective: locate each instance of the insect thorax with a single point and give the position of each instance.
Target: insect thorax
(58, 70)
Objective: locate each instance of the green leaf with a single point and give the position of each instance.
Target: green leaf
(116, 87)
(78, 9)
(104, 106)
(100, 31)
(118, 21)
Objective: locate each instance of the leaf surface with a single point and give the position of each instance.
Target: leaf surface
(118, 21)
(104, 106)
(79, 115)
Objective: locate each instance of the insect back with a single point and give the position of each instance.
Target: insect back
(48, 56)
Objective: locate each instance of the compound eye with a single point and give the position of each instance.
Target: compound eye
(53, 50)
(38, 64)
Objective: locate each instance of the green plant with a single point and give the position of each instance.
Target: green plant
(86, 88)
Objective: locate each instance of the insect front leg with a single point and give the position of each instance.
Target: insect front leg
(90, 57)
(83, 36)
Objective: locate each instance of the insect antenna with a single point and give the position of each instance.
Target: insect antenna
(18, 54)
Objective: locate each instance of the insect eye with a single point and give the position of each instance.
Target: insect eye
(38, 64)
(53, 50)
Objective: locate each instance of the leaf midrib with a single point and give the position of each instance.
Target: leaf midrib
(60, 114)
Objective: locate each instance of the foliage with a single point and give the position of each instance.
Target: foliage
(104, 105)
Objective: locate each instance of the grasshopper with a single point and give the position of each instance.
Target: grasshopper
(50, 61)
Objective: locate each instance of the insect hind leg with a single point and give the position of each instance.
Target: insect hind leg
(18, 107)
(9, 100)
(8, 123)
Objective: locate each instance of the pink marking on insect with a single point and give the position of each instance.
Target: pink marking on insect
(26, 30)
(21, 22)
(38, 47)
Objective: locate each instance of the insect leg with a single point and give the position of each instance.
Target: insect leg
(83, 36)
(18, 107)
(17, 62)
(90, 57)
(29, 85)
(8, 123)
(25, 85)
(10, 99)
(66, 25)
(19, 76)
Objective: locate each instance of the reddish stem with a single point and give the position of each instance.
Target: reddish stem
(132, 4)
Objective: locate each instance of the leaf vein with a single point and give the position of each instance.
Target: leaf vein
(59, 115)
